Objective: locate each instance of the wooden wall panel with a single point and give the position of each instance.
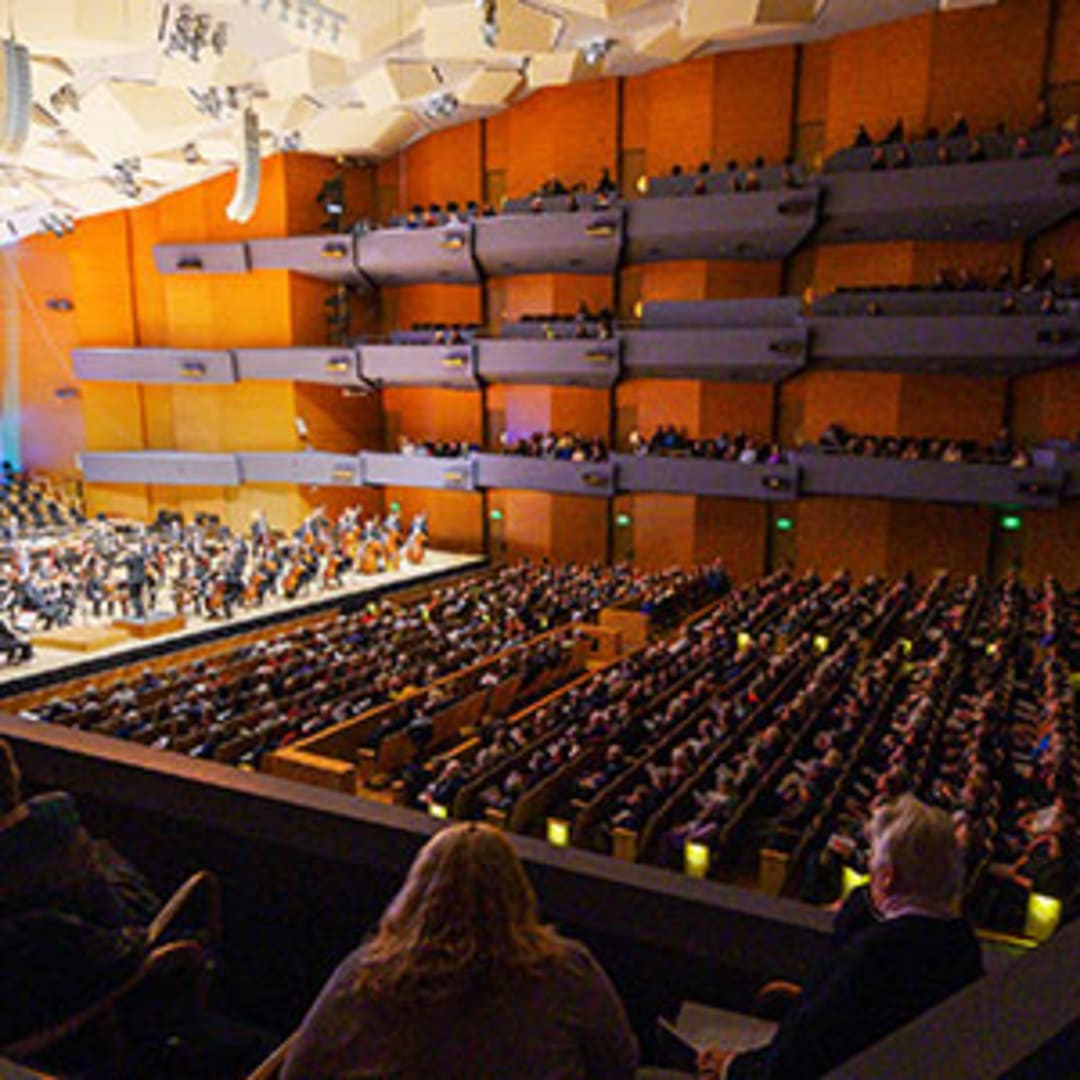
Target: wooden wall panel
(864, 403)
(855, 265)
(675, 281)
(497, 142)
(339, 421)
(445, 166)
(988, 63)
(733, 529)
(429, 413)
(1064, 55)
(307, 310)
(927, 537)
(877, 75)
(517, 410)
(984, 260)
(753, 101)
(663, 529)
(681, 103)
(581, 411)
(569, 132)
(118, 500)
(952, 406)
(1048, 544)
(455, 518)
(813, 96)
(280, 502)
(157, 417)
(730, 280)
(1062, 244)
(1046, 405)
(646, 404)
(579, 528)
(407, 305)
(732, 407)
(334, 501)
(842, 534)
(46, 431)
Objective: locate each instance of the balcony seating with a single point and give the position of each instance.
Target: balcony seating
(329, 366)
(574, 361)
(410, 256)
(330, 258)
(452, 367)
(154, 366)
(565, 477)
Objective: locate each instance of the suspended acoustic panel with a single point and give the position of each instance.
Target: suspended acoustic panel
(18, 97)
(249, 174)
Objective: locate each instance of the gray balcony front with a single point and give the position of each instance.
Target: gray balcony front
(202, 258)
(586, 242)
(700, 476)
(310, 468)
(987, 345)
(539, 474)
(563, 362)
(401, 470)
(756, 225)
(988, 201)
(189, 366)
(161, 467)
(729, 355)
(452, 367)
(329, 366)
(414, 256)
(752, 312)
(929, 481)
(330, 258)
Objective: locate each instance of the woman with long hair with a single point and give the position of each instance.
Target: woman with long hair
(461, 980)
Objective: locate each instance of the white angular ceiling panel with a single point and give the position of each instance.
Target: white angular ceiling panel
(83, 28)
(118, 120)
(486, 89)
(303, 72)
(666, 43)
(394, 82)
(558, 69)
(119, 79)
(357, 131)
(597, 9)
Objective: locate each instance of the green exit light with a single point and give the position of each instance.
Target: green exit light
(496, 515)
(395, 508)
(1010, 523)
(622, 520)
(785, 524)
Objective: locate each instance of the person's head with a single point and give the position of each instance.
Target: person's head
(466, 919)
(10, 780)
(913, 855)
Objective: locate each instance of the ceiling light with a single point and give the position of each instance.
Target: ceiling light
(188, 33)
(595, 51)
(441, 106)
(124, 177)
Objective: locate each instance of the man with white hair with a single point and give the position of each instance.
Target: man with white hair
(893, 958)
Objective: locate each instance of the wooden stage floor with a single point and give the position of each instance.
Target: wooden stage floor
(93, 644)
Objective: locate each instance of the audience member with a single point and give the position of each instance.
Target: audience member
(462, 980)
(909, 954)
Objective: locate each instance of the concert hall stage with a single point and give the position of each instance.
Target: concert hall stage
(96, 645)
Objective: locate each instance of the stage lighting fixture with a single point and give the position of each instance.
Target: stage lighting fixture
(595, 51)
(441, 106)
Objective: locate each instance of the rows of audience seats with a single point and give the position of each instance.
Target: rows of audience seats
(765, 731)
(248, 701)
